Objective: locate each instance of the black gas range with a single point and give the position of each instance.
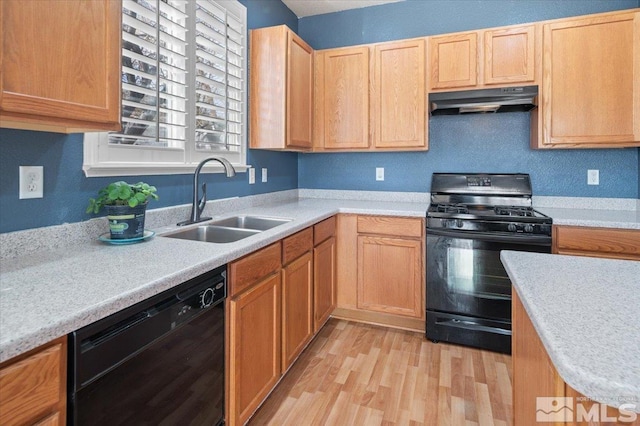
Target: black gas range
(471, 218)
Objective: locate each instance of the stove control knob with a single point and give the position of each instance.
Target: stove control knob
(528, 228)
(511, 227)
(459, 223)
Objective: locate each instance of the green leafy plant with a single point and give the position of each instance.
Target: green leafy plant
(122, 193)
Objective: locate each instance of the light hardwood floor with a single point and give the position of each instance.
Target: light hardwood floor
(359, 374)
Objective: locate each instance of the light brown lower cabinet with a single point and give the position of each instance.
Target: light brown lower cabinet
(324, 271)
(534, 376)
(297, 295)
(381, 271)
(270, 314)
(254, 347)
(253, 322)
(324, 282)
(597, 242)
(33, 386)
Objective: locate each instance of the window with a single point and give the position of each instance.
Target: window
(183, 89)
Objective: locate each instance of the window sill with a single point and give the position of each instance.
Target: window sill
(133, 169)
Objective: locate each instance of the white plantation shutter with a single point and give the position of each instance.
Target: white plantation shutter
(183, 88)
(219, 78)
(154, 69)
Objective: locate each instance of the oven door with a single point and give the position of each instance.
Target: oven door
(465, 275)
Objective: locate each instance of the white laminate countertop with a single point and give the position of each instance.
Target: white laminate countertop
(601, 218)
(64, 282)
(45, 295)
(587, 314)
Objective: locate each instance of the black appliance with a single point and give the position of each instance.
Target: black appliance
(471, 218)
(503, 99)
(159, 362)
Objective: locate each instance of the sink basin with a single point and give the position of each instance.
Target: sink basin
(213, 234)
(259, 223)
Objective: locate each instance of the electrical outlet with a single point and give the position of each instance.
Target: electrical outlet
(593, 177)
(31, 182)
(379, 173)
(264, 174)
(252, 176)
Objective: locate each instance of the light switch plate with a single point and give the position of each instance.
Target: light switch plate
(264, 174)
(379, 173)
(31, 182)
(252, 176)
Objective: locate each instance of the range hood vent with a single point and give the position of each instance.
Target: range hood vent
(505, 99)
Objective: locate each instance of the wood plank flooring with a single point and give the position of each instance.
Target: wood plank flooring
(360, 374)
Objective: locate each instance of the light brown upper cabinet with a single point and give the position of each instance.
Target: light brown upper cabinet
(341, 119)
(60, 65)
(499, 56)
(371, 98)
(281, 88)
(453, 60)
(590, 94)
(398, 95)
(509, 55)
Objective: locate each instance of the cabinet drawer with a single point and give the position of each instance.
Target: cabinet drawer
(324, 230)
(31, 388)
(602, 242)
(385, 225)
(249, 269)
(297, 244)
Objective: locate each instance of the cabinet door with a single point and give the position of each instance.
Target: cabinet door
(33, 388)
(60, 65)
(299, 92)
(509, 55)
(398, 95)
(389, 275)
(342, 98)
(254, 347)
(297, 308)
(324, 282)
(453, 60)
(591, 82)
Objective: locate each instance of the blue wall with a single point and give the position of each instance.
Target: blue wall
(490, 143)
(66, 190)
(481, 143)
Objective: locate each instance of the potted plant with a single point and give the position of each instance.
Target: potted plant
(126, 205)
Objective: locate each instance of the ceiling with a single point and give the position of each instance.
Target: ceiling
(304, 8)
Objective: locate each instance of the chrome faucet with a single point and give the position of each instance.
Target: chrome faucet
(198, 205)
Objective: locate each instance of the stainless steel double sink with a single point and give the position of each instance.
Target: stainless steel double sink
(230, 229)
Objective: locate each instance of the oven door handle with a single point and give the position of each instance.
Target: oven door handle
(470, 325)
(541, 240)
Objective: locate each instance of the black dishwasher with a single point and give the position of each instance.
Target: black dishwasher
(159, 362)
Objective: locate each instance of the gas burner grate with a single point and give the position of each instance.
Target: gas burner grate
(514, 211)
(452, 208)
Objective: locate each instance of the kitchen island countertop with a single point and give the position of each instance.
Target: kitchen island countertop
(586, 312)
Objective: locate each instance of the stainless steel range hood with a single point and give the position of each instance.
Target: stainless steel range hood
(505, 99)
